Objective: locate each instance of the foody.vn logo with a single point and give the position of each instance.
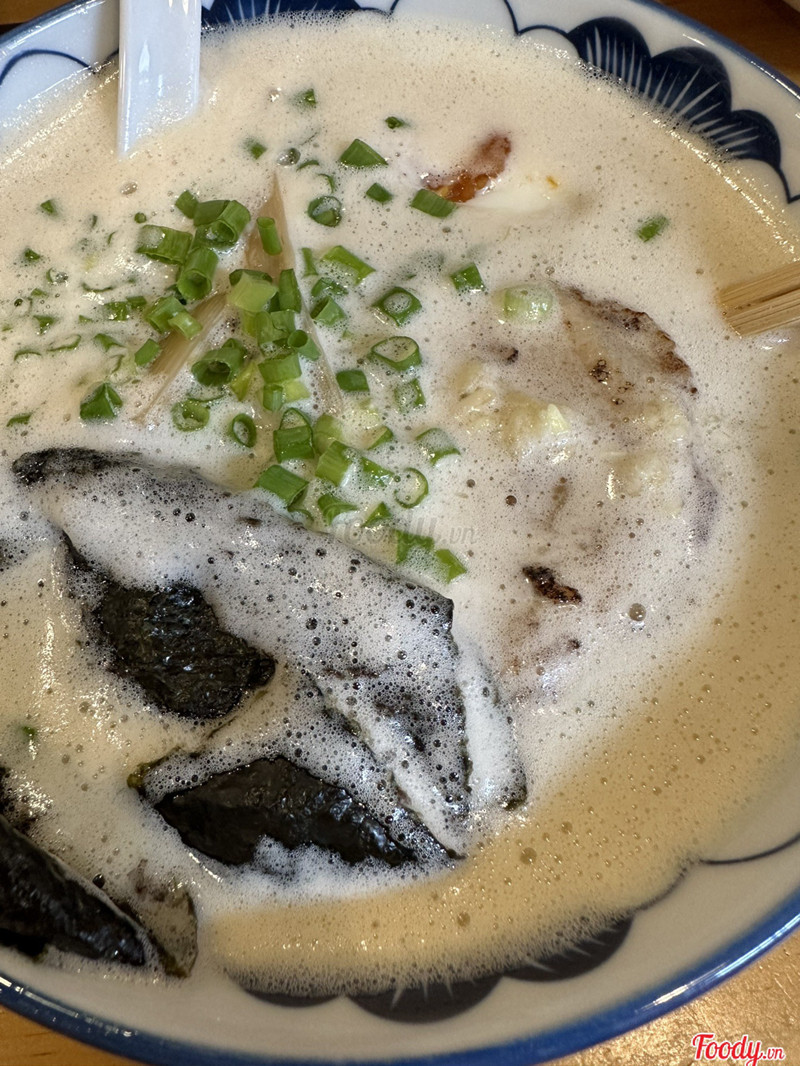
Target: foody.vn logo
(709, 1049)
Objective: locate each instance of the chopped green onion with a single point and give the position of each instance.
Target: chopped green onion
(184, 323)
(187, 203)
(240, 384)
(221, 222)
(375, 473)
(327, 287)
(396, 353)
(30, 256)
(293, 439)
(334, 462)
(526, 303)
(147, 353)
(270, 238)
(326, 430)
(328, 313)
(306, 99)
(20, 420)
(450, 564)
(431, 203)
(196, 276)
(331, 507)
(399, 305)
(436, 444)
(289, 291)
(468, 279)
(280, 368)
(160, 313)
(384, 437)
(190, 415)
(243, 430)
(272, 397)
(411, 544)
(220, 365)
(106, 342)
(345, 262)
(68, 345)
(164, 244)
(651, 227)
(352, 381)
(49, 207)
(379, 194)
(22, 353)
(282, 323)
(359, 154)
(294, 390)
(136, 303)
(101, 404)
(309, 265)
(283, 483)
(413, 488)
(379, 517)
(254, 147)
(305, 347)
(395, 123)
(44, 322)
(116, 310)
(326, 210)
(408, 395)
(56, 277)
(308, 163)
(251, 290)
(140, 216)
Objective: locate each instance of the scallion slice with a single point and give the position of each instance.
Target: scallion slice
(395, 123)
(398, 354)
(187, 203)
(381, 516)
(408, 396)
(49, 207)
(280, 368)
(196, 276)
(159, 314)
(379, 194)
(272, 397)
(399, 305)
(294, 390)
(106, 341)
(306, 99)
(346, 263)
(326, 429)
(283, 483)
(270, 238)
(67, 345)
(360, 154)
(240, 384)
(184, 323)
(327, 287)
(220, 365)
(30, 256)
(386, 436)
(190, 415)
(450, 566)
(101, 404)
(352, 380)
(164, 244)
(328, 313)
(431, 203)
(117, 310)
(305, 347)
(293, 439)
(254, 147)
(375, 474)
(309, 264)
(526, 303)
(20, 420)
(436, 444)
(330, 507)
(651, 227)
(468, 279)
(251, 290)
(410, 545)
(243, 430)
(412, 489)
(221, 222)
(326, 210)
(289, 291)
(334, 462)
(145, 355)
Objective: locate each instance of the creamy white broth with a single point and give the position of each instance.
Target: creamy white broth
(678, 706)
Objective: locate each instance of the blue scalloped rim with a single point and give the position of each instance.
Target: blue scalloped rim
(692, 84)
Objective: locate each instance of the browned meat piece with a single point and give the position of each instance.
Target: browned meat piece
(483, 169)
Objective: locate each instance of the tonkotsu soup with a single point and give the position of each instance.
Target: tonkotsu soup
(399, 551)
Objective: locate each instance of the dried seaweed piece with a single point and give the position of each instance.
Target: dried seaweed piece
(42, 903)
(227, 816)
(170, 642)
(547, 584)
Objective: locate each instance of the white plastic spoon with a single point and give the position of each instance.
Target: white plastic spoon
(159, 62)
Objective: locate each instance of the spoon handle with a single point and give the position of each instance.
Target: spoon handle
(159, 62)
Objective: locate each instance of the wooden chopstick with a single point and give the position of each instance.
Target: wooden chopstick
(766, 302)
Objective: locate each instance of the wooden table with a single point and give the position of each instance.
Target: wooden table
(763, 1002)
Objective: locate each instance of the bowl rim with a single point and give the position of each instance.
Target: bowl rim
(541, 1047)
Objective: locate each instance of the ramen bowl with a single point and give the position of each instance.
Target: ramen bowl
(726, 909)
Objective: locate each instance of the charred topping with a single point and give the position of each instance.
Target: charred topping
(548, 585)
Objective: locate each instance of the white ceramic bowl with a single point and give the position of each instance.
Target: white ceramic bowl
(724, 912)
